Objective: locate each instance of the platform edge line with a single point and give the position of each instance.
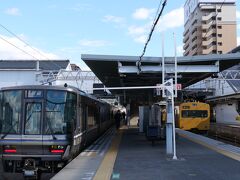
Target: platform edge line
(105, 169)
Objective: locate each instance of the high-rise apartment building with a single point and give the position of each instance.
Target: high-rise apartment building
(210, 27)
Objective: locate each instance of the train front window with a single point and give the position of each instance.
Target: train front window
(11, 111)
(194, 113)
(60, 112)
(33, 93)
(33, 118)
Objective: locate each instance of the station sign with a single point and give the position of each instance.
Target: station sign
(158, 90)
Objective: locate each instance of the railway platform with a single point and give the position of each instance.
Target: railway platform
(126, 154)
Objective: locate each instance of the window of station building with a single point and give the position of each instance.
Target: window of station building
(219, 27)
(219, 10)
(214, 34)
(219, 52)
(194, 22)
(194, 38)
(219, 18)
(195, 46)
(187, 53)
(214, 51)
(220, 43)
(214, 43)
(219, 35)
(195, 54)
(195, 29)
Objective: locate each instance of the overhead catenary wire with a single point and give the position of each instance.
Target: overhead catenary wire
(150, 34)
(27, 44)
(20, 39)
(18, 48)
(158, 9)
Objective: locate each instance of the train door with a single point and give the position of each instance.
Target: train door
(32, 124)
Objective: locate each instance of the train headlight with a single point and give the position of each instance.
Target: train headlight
(10, 149)
(57, 149)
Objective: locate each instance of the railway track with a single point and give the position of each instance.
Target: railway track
(228, 133)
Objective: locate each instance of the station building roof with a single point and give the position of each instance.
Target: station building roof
(47, 65)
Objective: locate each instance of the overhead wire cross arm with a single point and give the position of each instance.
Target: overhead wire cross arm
(138, 63)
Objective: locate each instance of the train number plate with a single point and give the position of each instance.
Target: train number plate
(29, 173)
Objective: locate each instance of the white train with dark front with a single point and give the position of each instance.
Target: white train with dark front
(44, 127)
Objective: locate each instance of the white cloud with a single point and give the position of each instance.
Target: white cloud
(139, 33)
(142, 13)
(115, 19)
(79, 7)
(136, 30)
(180, 50)
(141, 39)
(93, 43)
(119, 22)
(13, 11)
(9, 52)
(173, 19)
(238, 41)
(238, 14)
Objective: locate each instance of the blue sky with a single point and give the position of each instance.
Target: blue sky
(61, 29)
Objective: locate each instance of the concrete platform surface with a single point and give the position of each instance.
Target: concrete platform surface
(138, 159)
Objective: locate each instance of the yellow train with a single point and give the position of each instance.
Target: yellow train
(194, 116)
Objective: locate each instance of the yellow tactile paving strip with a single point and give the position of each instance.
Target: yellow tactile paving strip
(221, 151)
(105, 169)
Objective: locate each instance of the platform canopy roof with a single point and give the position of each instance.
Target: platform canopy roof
(121, 71)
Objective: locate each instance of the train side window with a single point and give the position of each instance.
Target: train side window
(61, 112)
(91, 119)
(1, 111)
(83, 118)
(194, 113)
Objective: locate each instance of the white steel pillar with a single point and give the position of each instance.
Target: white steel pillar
(170, 124)
(169, 128)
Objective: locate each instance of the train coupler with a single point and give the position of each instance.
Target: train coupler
(30, 169)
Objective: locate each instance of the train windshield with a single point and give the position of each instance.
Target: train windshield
(10, 111)
(60, 112)
(194, 113)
